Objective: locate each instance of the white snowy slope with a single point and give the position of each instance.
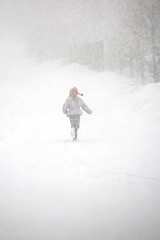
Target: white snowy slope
(104, 186)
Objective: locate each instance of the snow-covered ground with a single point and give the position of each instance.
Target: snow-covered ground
(104, 186)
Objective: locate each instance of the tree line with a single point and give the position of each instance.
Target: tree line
(121, 36)
(133, 47)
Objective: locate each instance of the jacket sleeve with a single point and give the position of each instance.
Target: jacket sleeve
(65, 107)
(86, 108)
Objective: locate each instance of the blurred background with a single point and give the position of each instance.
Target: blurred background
(121, 36)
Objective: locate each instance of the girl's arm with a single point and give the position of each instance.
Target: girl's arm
(86, 108)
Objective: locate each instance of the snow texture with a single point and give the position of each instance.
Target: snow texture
(104, 186)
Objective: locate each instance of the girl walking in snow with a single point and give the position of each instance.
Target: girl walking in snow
(72, 108)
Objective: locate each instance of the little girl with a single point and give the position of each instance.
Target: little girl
(72, 108)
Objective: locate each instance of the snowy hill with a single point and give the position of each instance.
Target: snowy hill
(104, 186)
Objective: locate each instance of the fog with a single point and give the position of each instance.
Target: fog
(120, 36)
(55, 28)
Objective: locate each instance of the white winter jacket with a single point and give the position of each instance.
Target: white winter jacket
(72, 106)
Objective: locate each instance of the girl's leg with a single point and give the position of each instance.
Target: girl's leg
(74, 120)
